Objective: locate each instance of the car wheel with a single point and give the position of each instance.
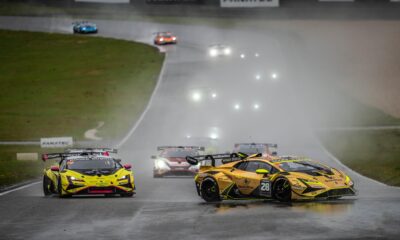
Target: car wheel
(60, 192)
(47, 186)
(210, 191)
(127, 194)
(155, 175)
(282, 190)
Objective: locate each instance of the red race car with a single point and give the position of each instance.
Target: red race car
(163, 38)
(171, 161)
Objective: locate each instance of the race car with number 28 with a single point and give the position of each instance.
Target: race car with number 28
(258, 177)
(87, 172)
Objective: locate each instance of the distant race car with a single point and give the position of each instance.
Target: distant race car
(163, 38)
(84, 27)
(171, 161)
(257, 177)
(87, 172)
(217, 50)
(254, 148)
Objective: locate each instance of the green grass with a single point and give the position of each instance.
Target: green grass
(374, 154)
(13, 171)
(63, 85)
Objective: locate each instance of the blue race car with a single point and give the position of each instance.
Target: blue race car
(84, 27)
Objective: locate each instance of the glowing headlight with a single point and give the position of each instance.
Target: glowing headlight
(227, 51)
(213, 52)
(195, 167)
(161, 39)
(173, 38)
(160, 164)
(72, 178)
(123, 178)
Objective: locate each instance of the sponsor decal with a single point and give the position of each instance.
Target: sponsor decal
(265, 188)
(56, 142)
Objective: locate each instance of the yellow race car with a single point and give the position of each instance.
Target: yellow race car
(87, 172)
(268, 177)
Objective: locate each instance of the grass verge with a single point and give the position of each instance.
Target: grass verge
(13, 171)
(61, 85)
(373, 153)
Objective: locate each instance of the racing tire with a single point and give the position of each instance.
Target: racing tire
(59, 188)
(47, 186)
(155, 175)
(127, 194)
(209, 190)
(282, 190)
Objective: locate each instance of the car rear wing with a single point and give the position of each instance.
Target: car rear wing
(91, 150)
(224, 157)
(160, 148)
(49, 156)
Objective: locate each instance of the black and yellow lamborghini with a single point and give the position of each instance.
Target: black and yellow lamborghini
(268, 177)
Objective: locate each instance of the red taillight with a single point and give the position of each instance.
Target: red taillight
(105, 154)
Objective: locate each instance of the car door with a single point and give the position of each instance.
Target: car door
(256, 184)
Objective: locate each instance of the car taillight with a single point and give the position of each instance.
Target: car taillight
(105, 154)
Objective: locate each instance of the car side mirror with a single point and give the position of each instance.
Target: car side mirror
(127, 166)
(153, 157)
(262, 171)
(55, 168)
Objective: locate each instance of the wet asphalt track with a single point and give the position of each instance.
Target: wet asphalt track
(170, 208)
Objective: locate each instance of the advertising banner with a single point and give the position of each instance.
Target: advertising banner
(249, 3)
(56, 142)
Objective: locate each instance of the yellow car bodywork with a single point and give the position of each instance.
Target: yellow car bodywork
(69, 182)
(228, 181)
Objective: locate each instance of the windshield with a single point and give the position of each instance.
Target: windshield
(302, 166)
(93, 164)
(179, 153)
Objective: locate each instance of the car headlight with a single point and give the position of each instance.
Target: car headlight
(123, 178)
(213, 52)
(160, 164)
(195, 167)
(161, 39)
(74, 179)
(227, 51)
(173, 38)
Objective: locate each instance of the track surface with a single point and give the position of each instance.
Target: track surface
(170, 208)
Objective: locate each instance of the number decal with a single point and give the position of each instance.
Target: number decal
(265, 188)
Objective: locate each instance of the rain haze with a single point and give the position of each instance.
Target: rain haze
(297, 75)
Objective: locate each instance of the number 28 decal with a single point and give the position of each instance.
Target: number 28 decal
(265, 188)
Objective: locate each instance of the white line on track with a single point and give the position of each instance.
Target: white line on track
(160, 78)
(19, 188)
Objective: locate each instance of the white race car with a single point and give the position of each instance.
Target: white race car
(217, 50)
